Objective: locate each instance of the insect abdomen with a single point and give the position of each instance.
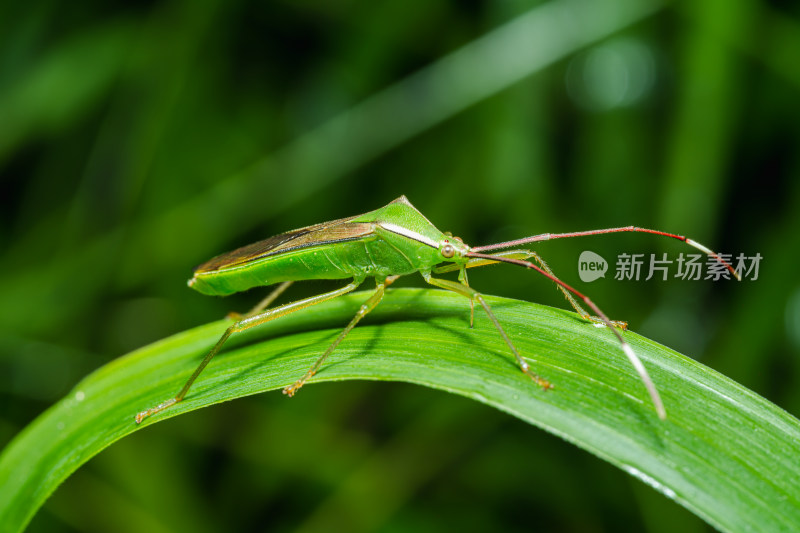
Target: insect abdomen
(324, 261)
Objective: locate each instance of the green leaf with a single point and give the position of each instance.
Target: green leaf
(724, 452)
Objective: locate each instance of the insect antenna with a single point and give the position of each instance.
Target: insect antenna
(632, 357)
(551, 236)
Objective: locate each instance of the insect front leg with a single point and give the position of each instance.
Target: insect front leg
(525, 254)
(462, 277)
(626, 348)
(241, 325)
(365, 308)
(475, 295)
(464, 280)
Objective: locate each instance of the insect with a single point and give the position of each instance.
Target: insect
(384, 244)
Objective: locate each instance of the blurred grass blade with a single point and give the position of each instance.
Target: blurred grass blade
(527, 44)
(61, 86)
(724, 452)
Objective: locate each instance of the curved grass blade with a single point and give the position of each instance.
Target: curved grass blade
(725, 453)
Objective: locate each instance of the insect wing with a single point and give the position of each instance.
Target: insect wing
(328, 232)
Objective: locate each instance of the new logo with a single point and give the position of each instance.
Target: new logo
(591, 266)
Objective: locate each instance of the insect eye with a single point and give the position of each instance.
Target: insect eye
(448, 251)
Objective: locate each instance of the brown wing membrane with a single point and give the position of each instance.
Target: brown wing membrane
(327, 232)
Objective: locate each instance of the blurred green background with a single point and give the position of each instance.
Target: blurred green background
(138, 139)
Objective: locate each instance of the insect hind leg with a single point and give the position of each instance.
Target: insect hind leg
(263, 304)
(241, 325)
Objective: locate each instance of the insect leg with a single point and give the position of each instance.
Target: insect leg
(365, 308)
(464, 280)
(571, 299)
(525, 254)
(626, 348)
(263, 304)
(475, 295)
(271, 297)
(241, 325)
